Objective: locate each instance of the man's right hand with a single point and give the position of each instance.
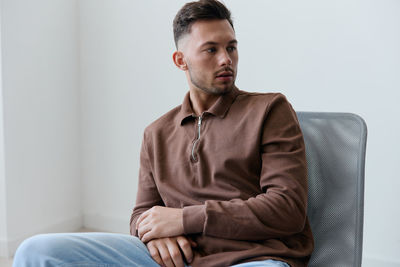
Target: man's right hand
(167, 251)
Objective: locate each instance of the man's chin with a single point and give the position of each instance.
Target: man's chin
(217, 90)
(221, 90)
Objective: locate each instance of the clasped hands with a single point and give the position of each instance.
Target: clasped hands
(161, 228)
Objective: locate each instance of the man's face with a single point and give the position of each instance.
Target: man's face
(210, 53)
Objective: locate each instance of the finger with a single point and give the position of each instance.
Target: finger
(142, 217)
(149, 235)
(138, 221)
(184, 245)
(145, 218)
(154, 253)
(165, 256)
(175, 253)
(145, 225)
(143, 228)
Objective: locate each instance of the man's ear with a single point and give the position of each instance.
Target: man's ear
(179, 60)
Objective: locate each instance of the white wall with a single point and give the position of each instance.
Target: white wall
(127, 81)
(324, 55)
(3, 195)
(41, 117)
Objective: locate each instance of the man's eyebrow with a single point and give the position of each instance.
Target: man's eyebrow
(234, 41)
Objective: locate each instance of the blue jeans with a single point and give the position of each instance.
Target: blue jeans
(93, 249)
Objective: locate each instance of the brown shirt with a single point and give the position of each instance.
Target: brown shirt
(239, 173)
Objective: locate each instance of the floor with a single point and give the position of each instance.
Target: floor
(8, 262)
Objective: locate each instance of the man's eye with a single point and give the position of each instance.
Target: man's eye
(231, 48)
(211, 50)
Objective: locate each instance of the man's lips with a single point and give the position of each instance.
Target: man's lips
(225, 74)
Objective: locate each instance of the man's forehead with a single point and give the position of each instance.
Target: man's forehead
(215, 31)
(206, 27)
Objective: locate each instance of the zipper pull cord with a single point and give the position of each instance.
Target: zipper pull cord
(198, 137)
(199, 126)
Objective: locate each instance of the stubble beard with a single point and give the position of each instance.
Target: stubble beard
(211, 90)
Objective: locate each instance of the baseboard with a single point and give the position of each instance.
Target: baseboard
(368, 261)
(8, 247)
(106, 223)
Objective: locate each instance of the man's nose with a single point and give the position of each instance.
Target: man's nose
(225, 58)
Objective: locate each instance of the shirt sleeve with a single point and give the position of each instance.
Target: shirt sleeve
(147, 193)
(280, 210)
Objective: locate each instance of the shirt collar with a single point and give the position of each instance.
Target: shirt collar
(219, 108)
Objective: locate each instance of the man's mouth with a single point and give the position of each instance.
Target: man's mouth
(225, 74)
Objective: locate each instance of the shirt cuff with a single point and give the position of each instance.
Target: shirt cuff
(193, 219)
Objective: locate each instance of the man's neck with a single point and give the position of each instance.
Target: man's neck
(201, 101)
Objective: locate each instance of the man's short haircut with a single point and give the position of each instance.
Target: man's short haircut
(199, 10)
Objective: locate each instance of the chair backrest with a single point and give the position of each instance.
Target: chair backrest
(335, 148)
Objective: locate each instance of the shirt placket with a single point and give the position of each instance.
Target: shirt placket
(195, 145)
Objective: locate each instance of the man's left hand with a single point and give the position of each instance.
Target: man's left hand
(159, 222)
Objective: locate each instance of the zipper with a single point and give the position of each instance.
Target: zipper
(200, 118)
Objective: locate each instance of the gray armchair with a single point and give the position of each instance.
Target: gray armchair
(335, 147)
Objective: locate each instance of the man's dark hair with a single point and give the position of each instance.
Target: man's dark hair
(199, 10)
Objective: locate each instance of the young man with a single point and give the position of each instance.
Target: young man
(222, 177)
